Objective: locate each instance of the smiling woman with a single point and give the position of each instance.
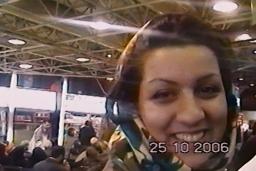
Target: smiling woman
(175, 72)
(180, 101)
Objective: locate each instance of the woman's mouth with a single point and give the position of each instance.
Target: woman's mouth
(190, 137)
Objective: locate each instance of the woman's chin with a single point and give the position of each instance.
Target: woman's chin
(195, 160)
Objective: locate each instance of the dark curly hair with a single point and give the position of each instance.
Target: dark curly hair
(171, 30)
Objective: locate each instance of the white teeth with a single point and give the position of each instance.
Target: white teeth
(190, 137)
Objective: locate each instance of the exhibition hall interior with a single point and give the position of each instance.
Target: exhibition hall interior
(58, 64)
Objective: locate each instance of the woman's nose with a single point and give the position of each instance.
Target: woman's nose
(189, 111)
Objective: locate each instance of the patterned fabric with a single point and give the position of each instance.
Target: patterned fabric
(131, 152)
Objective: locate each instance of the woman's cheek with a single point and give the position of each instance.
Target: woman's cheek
(217, 109)
(155, 118)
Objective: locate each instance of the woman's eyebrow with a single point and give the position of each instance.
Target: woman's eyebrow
(207, 77)
(162, 80)
(203, 78)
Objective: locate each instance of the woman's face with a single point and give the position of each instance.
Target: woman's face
(182, 98)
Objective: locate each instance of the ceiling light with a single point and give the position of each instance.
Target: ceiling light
(252, 84)
(109, 55)
(25, 66)
(225, 6)
(254, 51)
(82, 59)
(240, 79)
(17, 41)
(109, 79)
(243, 37)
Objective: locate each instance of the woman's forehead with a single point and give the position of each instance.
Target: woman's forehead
(176, 54)
(176, 62)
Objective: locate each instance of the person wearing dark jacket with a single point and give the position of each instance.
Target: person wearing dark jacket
(17, 156)
(38, 155)
(55, 162)
(86, 133)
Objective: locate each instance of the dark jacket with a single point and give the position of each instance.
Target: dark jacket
(17, 157)
(49, 165)
(38, 155)
(85, 135)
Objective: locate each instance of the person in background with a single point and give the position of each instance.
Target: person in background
(100, 145)
(66, 132)
(17, 156)
(41, 137)
(38, 155)
(55, 162)
(93, 161)
(248, 132)
(86, 133)
(76, 149)
(9, 147)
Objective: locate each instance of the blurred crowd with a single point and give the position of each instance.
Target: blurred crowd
(88, 153)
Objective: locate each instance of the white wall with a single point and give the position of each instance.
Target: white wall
(26, 98)
(4, 96)
(85, 104)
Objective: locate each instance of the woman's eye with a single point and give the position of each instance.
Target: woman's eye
(163, 96)
(208, 91)
(159, 95)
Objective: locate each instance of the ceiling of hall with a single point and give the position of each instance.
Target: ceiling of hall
(52, 45)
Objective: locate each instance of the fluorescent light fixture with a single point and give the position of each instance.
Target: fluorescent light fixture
(17, 42)
(109, 55)
(240, 79)
(251, 85)
(82, 59)
(25, 66)
(253, 41)
(100, 25)
(225, 6)
(243, 37)
(109, 79)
